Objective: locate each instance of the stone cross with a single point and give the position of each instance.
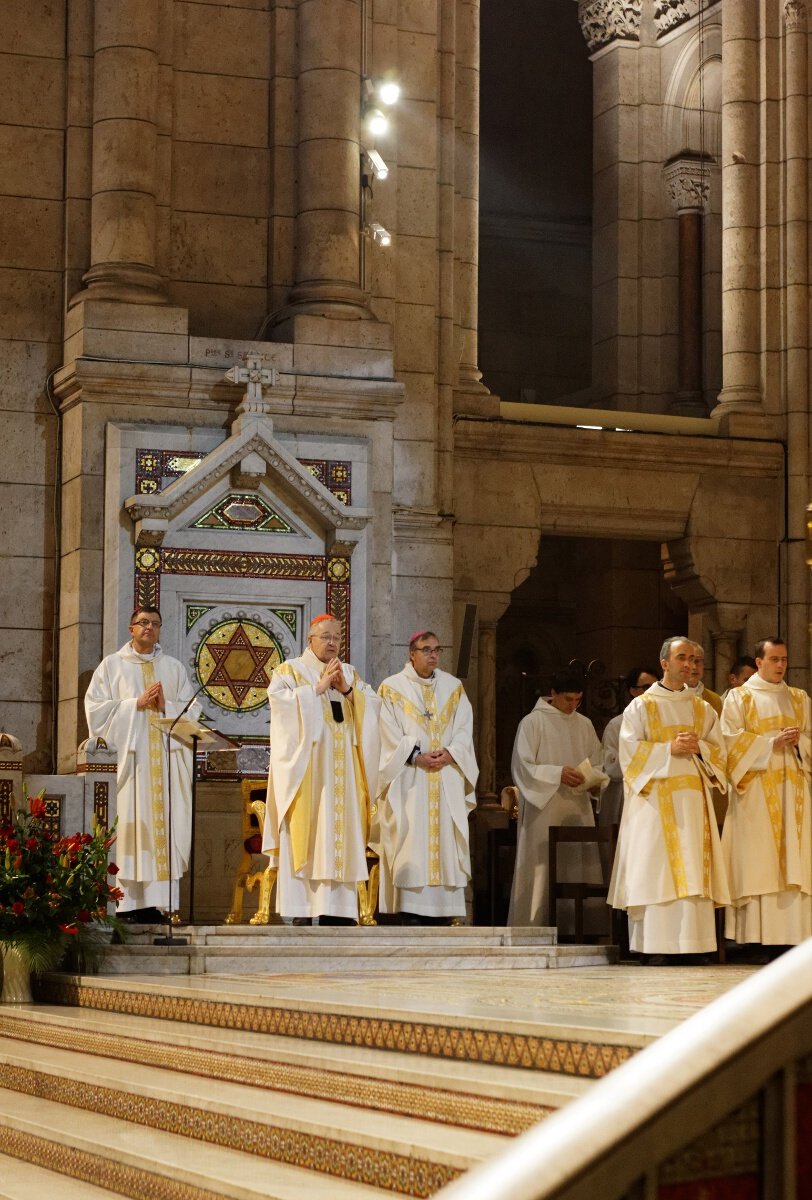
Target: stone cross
(255, 375)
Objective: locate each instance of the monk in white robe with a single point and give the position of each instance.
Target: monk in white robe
(129, 691)
(426, 788)
(767, 837)
(552, 742)
(325, 748)
(669, 875)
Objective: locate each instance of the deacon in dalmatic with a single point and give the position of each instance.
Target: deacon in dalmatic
(556, 764)
(767, 838)
(325, 748)
(129, 691)
(669, 875)
(426, 789)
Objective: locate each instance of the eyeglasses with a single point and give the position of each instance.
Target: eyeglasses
(429, 649)
(326, 637)
(146, 624)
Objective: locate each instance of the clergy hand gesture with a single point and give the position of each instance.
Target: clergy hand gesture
(332, 677)
(431, 760)
(684, 745)
(153, 697)
(571, 777)
(787, 737)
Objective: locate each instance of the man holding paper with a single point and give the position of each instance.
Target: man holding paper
(556, 764)
(669, 875)
(128, 695)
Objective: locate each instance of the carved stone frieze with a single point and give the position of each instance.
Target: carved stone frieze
(795, 17)
(687, 181)
(670, 13)
(607, 21)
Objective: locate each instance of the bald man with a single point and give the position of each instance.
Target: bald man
(325, 749)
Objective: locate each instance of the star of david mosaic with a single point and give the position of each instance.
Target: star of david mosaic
(234, 661)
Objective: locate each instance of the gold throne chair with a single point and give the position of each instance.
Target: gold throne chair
(247, 876)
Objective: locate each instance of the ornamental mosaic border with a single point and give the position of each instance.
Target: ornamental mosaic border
(156, 469)
(405, 1174)
(591, 1060)
(135, 1182)
(729, 1150)
(482, 1113)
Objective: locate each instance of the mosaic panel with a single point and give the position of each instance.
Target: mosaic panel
(289, 616)
(730, 1149)
(235, 660)
(52, 817)
(194, 612)
(156, 469)
(243, 513)
(101, 801)
(404, 1174)
(6, 799)
(335, 475)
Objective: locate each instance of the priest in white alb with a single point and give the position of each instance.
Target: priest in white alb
(669, 875)
(128, 694)
(325, 748)
(767, 837)
(425, 789)
(556, 765)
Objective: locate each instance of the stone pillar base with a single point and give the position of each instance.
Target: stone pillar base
(131, 283)
(475, 403)
(688, 404)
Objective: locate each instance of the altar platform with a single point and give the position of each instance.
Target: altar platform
(341, 1081)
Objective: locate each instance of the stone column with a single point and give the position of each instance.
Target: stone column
(486, 711)
(466, 195)
(725, 653)
(741, 257)
(125, 140)
(796, 285)
(687, 183)
(328, 273)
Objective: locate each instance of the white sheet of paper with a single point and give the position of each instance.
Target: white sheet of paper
(593, 776)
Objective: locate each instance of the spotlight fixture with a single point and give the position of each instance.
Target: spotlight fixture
(379, 235)
(379, 169)
(388, 91)
(375, 121)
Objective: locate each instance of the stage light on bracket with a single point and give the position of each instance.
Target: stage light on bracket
(379, 235)
(384, 91)
(378, 168)
(376, 122)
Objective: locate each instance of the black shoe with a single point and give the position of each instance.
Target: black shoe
(328, 920)
(144, 916)
(302, 921)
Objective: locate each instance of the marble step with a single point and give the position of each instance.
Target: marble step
(471, 1095)
(470, 936)
(21, 1180)
(114, 1157)
(407, 1155)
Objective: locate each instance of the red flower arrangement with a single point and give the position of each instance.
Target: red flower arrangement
(50, 888)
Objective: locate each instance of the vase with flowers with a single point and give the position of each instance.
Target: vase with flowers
(53, 891)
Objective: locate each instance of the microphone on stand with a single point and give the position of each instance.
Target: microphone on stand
(170, 939)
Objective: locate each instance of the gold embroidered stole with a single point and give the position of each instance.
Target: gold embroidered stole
(666, 788)
(774, 779)
(434, 723)
(156, 780)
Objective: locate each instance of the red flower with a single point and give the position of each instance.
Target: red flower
(36, 806)
(12, 843)
(68, 929)
(31, 843)
(112, 869)
(83, 916)
(18, 908)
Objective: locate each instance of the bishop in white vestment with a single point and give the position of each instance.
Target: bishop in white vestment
(552, 743)
(669, 875)
(426, 787)
(767, 837)
(325, 748)
(129, 691)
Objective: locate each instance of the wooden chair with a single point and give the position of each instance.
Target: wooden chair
(580, 892)
(247, 877)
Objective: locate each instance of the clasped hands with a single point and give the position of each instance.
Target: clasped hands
(433, 760)
(787, 737)
(153, 697)
(685, 744)
(333, 677)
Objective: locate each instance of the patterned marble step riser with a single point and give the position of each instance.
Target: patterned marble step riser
(399, 1166)
(566, 1055)
(373, 1091)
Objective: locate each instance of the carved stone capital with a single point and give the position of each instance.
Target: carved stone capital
(795, 15)
(688, 182)
(668, 14)
(607, 21)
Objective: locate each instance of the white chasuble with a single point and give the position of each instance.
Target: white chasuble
(767, 836)
(668, 873)
(546, 741)
(423, 815)
(323, 774)
(111, 706)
